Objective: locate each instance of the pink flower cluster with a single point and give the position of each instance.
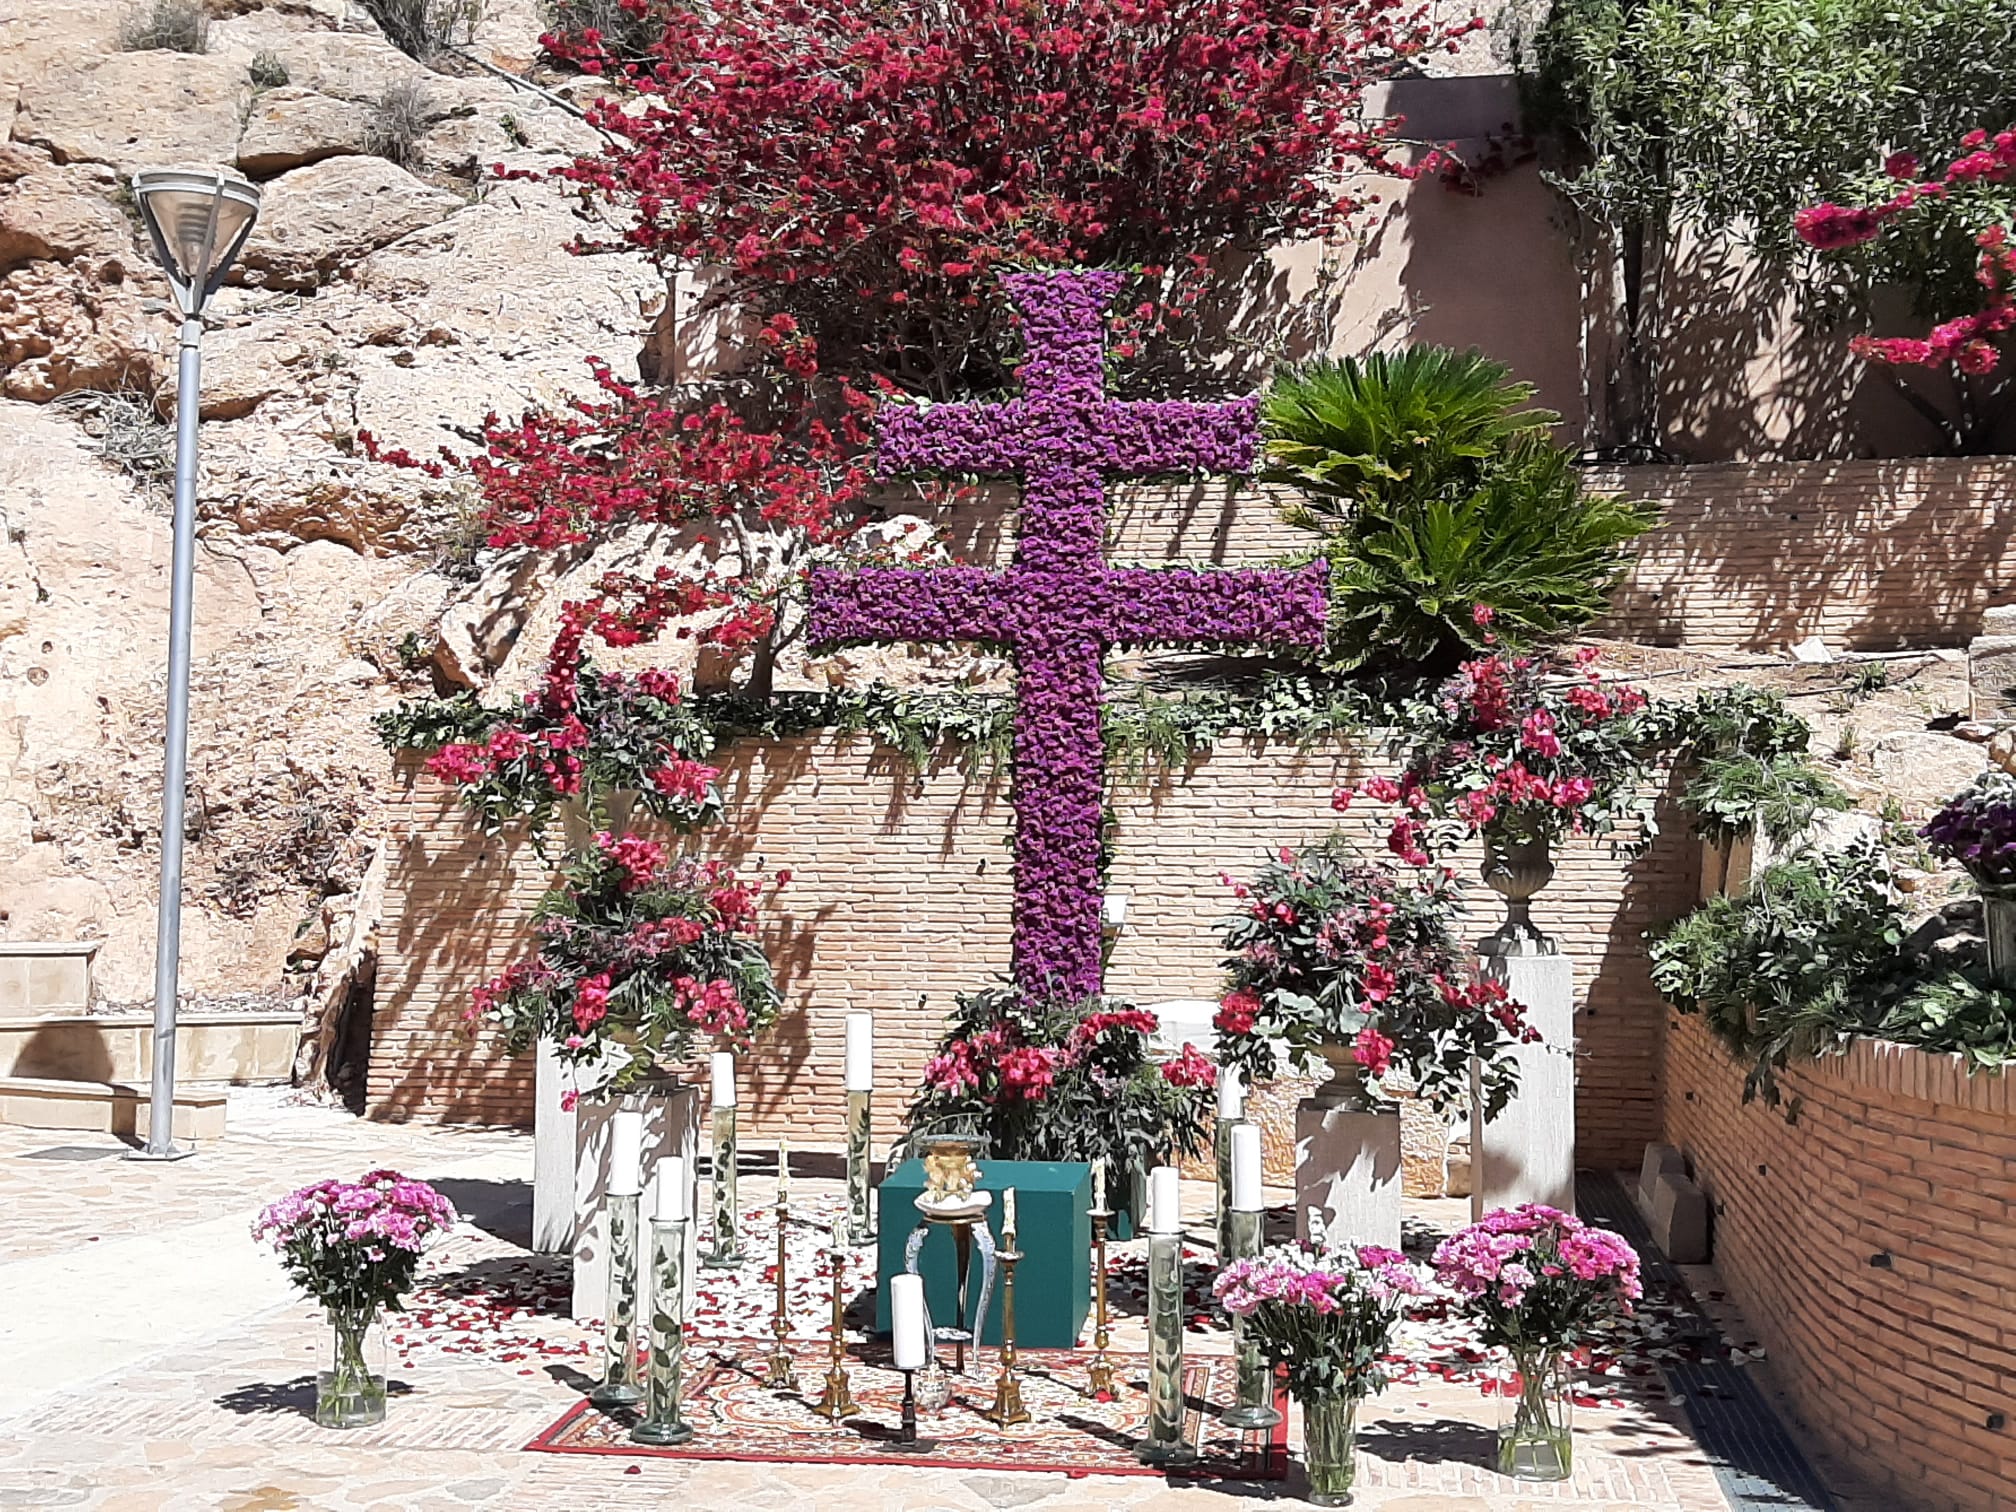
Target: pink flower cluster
(380, 1211)
(637, 859)
(1968, 342)
(1190, 1067)
(1325, 1284)
(1528, 1253)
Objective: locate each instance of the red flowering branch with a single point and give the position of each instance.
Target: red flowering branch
(1968, 342)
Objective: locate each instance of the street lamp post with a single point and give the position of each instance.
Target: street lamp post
(198, 222)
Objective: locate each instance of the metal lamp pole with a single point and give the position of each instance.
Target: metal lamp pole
(198, 222)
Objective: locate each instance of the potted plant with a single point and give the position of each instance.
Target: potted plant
(639, 955)
(1069, 1081)
(1327, 1318)
(1977, 828)
(1355, 963)
(353, 1247)
(1538, 1283)
(1508, 752)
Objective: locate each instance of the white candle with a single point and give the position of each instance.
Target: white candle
(668, 1190)
(1165, 1201)
(906, 1320)
(860, 1052)
(1008, 1212)
(783, 1169)
(1231, 1092)
(839, 1239)
(626, 1153)
(1098, 1186)
(1246, 1169)
(724, 1078)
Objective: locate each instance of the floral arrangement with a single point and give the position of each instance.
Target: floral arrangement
(1064, 1081)
(1977, 828)
(1060, 606)
(1536, 1279)
(1969, 201)
(1329, 948)
(354, 1246)
(1328, 1317)
(583, 734)
(1505, 751)
(640, 952)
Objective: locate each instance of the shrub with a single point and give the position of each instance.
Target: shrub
(267, 70)
(1737, 720)
(1788, 969)
(425, 29)
(170, 25)
(1777, 797)
(626, 31)
(1452, 523)
(1957, 1011)
(399, 119)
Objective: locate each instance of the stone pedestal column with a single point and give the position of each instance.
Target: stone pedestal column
(1347, 1162)
(570, 1156)
(1527, 1153)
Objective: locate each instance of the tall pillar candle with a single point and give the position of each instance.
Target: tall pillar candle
(727, 1248)
(1245, 1213)
(1231, 1113)
(664, 1378)
(860, 1083)
(1163, 1442)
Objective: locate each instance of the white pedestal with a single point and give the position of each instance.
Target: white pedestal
(1347, 1168)
(1527, 1153)
(571, 1170)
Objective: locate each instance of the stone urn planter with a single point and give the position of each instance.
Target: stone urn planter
(1516, 870)
(1998, 928)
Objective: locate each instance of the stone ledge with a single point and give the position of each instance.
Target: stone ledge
(211, 1047)
(119, 1108)
(86, 948)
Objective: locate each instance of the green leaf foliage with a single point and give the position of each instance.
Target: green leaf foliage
(1777, 797)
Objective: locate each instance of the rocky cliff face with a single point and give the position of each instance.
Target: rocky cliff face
(404, 297)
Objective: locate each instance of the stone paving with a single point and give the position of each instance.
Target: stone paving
(155, 1360)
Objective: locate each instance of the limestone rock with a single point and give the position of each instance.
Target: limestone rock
(52, 214)
(290, 127)
(131, 110)
(241, 370)
(321, 218)
(65, 327)
(356, 63)
(1926, 766)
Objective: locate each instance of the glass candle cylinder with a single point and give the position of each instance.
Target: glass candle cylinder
(664, 1378)
(727, 1248)
(860, 1226)
(1164, 1442)
(619, 1386)
(1255, 1405)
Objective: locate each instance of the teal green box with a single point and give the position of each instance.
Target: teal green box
(1053, 1283)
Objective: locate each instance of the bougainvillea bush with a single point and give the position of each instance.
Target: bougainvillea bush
(1509, 750)
(1329, 947)
(638, 953)
(867, 170)
(1064, 1081)
(1969, 210)
(1327, 1318)
(580, 739)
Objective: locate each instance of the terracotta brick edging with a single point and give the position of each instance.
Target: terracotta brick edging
(1867, 1228)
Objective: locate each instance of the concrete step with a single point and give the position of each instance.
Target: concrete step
(111, 1107)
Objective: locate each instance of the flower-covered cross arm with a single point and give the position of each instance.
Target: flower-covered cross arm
(954, 438)
(1145, 438)
(1239, 605)
(901, 604)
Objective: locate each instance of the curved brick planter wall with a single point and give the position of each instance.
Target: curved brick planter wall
(1899, 1367)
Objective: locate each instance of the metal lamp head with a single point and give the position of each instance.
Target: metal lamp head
(198, 220)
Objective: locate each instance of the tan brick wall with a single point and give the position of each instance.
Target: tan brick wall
(1889, 1152)
(1871, 555)
(900, 898)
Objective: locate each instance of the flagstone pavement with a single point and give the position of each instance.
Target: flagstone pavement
(153, 1359)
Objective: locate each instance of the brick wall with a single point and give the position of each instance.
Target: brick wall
(900, 897)
(1871, 555)
(1892, 1152)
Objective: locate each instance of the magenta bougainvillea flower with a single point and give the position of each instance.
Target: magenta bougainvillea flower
(1060, 606)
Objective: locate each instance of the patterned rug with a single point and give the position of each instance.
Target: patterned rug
(1068, 1431)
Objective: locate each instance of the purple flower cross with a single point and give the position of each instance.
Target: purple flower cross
(1060, 606)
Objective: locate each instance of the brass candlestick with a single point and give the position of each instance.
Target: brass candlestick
(1007, 1409)
(1099, 1377)
(837, 1401)
(777, 1373)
